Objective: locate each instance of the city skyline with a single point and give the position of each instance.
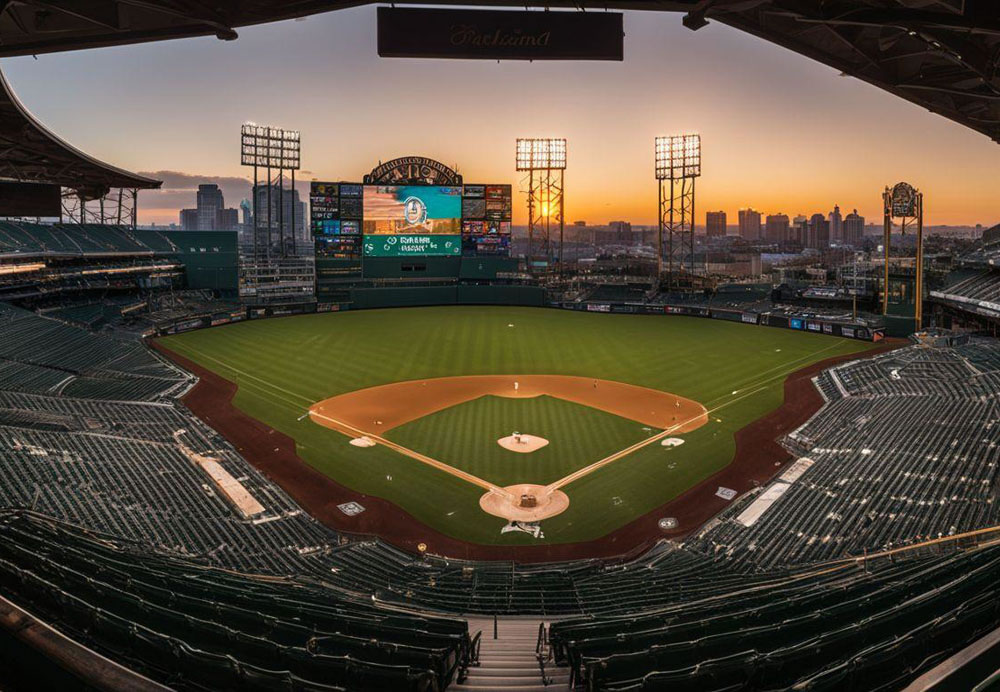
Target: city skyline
(789, 151)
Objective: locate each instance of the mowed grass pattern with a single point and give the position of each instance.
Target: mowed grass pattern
(578, 435)
(284, 365)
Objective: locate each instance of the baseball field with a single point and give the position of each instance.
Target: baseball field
(467, 417)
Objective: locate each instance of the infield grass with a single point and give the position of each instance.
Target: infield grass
(282, 366)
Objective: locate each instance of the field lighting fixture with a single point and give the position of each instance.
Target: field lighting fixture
(677, 163)
(544, 160)
(273, 150)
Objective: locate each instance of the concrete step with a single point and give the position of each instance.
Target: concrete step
(466, 687)
(514, 672)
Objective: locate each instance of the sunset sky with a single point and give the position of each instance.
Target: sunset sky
(780, 133)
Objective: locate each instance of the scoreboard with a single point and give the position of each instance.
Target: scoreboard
(354, 220)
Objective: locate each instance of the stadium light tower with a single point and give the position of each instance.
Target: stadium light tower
(678, 164)
(904, 202)
(272, 149)
(544, 160)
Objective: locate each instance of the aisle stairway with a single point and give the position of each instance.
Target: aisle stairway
(509, 661)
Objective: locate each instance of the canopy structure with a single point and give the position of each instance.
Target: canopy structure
(943, 55)
(30, 153)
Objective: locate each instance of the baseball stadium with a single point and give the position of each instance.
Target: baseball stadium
(418, 448)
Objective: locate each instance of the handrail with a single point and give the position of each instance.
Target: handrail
(543, 652)
(469, 656)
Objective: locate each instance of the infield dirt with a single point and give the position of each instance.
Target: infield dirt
(376, 410)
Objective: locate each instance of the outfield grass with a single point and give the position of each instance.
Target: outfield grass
(282, 366)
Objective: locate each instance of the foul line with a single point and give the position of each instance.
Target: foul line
(586, 470)
(430, 461)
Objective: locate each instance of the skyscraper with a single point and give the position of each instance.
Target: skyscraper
(209, 202)
(776, 228)
(819, 232)
(715, 224)
(836, 224)
(799, 231)
(854, 229)
(210, 213)
(749, 224)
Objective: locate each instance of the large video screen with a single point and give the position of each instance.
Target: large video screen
(412, 209)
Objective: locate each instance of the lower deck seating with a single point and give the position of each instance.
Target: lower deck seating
(843, 628)
(194, 627)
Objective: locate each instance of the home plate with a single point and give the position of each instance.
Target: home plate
(363, 442)
(524, 444)
(672, 442)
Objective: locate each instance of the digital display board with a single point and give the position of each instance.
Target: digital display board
(329, 211)
(486, 220)
(473, 208)
(412, 210)
(412, 245)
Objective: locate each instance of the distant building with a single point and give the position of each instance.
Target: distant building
(189, 219)
(749, 224)
(799, 231)
(854, 229)
(819, 232)
(286, 209)
(246, 215)
(836, 225)
(210, 213)
(621, 231)
(227, 219)
(776, 228)
(580, 223)
(715, 224)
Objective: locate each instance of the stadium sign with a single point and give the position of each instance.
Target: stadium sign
(413, 170)
(903, 200)
(412, 245)
(499, 34)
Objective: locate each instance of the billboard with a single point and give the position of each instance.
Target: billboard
(499, 34)
(411, 245)
(412, 210)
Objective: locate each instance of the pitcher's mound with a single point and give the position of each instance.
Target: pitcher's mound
(522, 443)
(524, 502)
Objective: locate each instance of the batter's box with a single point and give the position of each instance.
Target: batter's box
(351, 508)
(725, 493)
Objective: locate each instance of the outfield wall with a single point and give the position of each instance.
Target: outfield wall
(528, 296)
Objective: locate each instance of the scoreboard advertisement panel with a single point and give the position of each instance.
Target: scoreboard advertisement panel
(486, 220)
(335, 220)
(412, 245)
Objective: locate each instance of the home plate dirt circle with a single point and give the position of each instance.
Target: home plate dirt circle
(525, 502)
(523, 444)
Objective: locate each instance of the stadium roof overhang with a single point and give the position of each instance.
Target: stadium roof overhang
(30, 153)
(943, 55)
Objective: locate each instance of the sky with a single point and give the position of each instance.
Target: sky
(780, 132)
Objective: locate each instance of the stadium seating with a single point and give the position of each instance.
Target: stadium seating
(47, 356)
(22, 237)
(908, 451)
(846, 628)
(191, 626)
